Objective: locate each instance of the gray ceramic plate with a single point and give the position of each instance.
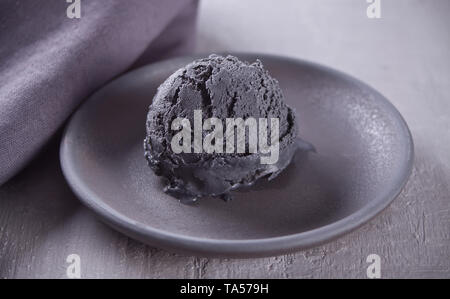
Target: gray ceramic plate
(364, 157)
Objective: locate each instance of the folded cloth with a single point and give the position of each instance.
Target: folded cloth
(49, 62)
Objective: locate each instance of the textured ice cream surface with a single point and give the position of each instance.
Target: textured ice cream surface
(221, 87)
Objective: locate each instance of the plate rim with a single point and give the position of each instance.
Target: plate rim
(226, 247)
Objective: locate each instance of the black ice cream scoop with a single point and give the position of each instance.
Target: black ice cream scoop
(208, 100)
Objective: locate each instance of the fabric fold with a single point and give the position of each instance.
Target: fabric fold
(49, 63)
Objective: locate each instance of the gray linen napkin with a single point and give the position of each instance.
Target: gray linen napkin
(49, 62)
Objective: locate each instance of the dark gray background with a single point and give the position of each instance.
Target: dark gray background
(405, 55)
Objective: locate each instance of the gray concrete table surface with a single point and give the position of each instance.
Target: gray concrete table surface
(405, 55)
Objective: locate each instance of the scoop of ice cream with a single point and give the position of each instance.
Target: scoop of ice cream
(222, 88)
